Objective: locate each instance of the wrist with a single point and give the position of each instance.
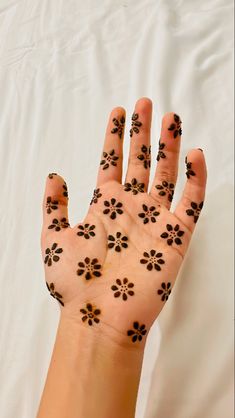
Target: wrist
(100, 374)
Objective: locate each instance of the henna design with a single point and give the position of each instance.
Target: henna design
(173, 234)
(145, 156)
(118, 243)
(137, 333)
(96, 196)
(123, 288)
(51, 204)
(165, 291)
(89, 267)
(189, 171)
(153, 259)
(65, 192)
(54, 294)
(51, 175)
(161, 154)
(166, 188)
(195, 210)
(176, 127)
(119, 125)
(200, 149)
(112, 208)
(90, 314)
(109, 159)
(59, 224)
(149, 214)
(135, 124)
(86, 231)
(134, 186)
(52, 254)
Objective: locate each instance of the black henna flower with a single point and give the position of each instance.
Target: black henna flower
(86, 231)
(117, 242)
(161, 154)
(173, 235)
(89, 267)
(51, 204)
(195, 210)
(189, 171)
(54, 294)
(109, 158)
(112, 208)
(96, 196)
(119, 125)
(149, 214)
(123, 288)
(59, 224)
(134, 186)
(152, 260)
(166, 189)
(135, 124)
(90, 314)
(65, 190)
(145, 156)
(52, 254)
(165, 291)
(176, 127)
(137, 333)
(51, 175)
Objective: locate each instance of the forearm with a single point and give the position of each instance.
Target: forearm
(90, 376)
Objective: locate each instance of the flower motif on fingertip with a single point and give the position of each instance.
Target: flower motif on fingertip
(189, 171)
(52, 175)
(119, 126)
(65, 190)
(173, 235)
(176, 126)
(135, 124)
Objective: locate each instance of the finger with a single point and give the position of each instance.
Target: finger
(112, 155)
(137, 176)
(163, 185)
(55, 203)
(189, 207)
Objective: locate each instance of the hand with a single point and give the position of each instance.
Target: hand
(114, 271)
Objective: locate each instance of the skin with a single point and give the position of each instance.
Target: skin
(95, 370)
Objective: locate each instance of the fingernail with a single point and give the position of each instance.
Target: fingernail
(200, 149)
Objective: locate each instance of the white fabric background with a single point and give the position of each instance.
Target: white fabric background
(64, 64)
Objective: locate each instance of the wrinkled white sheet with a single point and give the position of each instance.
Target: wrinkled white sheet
(63, 65)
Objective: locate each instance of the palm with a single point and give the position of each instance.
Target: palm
(118, 266)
